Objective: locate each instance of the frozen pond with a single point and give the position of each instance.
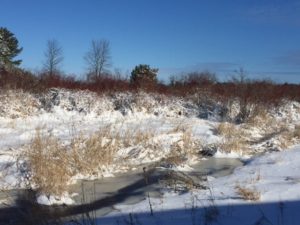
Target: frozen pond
(100, 196)
(135, 186)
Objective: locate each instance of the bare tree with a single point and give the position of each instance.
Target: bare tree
(240, 76)
(53, 57)
(98, 58)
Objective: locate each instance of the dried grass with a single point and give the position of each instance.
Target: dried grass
(184, 149)
(260, 118)
(90, 155)
(181, 127)
(131, 138)
(234, 138)
(175, 156)
(296, 132)
(49, 166)
(190, 145)
(280, 131)
(247, 193)
(269, 125)
(288, 138)
(226, 129)
(53, 163)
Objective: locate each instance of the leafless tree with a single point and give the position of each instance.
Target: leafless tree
(98, 58)
(240, 76)
(53, 57)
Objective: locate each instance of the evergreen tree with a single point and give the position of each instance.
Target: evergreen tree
(143, 74)
(9, 49)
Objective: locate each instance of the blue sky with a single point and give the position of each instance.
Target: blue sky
(261, 36)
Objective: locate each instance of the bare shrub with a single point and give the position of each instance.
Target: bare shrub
(247, 92)
(18, 79)
(247, 193)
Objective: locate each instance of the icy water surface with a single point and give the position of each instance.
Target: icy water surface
(136, 186)
(100, 196)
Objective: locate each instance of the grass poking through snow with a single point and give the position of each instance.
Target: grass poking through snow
(49, 164)
(247, 193)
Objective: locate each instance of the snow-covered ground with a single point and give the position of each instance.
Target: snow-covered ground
(66, 115)
(272, 179)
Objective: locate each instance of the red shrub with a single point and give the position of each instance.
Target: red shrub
(249, 91)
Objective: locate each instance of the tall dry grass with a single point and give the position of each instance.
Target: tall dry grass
(89, 156)
(261, 127)
(53, 162)
(296, 132)
(289, 137)
(184, 149)
(134, 137)
(49, 164)
(234, 138)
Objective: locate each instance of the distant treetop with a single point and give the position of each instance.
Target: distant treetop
(143, 74)
(9, 49)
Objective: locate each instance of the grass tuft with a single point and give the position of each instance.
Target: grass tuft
(49, 166)
(247, 193)
(234, 139)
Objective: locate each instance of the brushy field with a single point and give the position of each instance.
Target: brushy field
(54, 163)
(196, 117)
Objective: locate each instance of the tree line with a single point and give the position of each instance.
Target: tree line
(97, 59)
(205, 85)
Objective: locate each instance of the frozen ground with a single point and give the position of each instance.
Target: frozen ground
(273, 178)
(66, 115)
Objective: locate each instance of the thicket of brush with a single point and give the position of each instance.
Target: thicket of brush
(203, 88)
(206, 83)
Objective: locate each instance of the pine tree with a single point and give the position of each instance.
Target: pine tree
(9, 49)
(143, 74)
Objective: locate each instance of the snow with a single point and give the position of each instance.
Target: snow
(220, 154)
(74, 113)
(65, 114)
(275, 176)
(55, 200)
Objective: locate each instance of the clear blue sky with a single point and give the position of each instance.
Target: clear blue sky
(261, 36)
